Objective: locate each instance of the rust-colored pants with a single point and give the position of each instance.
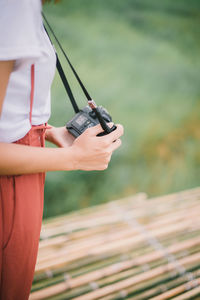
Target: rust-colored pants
(21, 210)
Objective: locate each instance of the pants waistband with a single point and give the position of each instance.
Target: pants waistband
(35, 136)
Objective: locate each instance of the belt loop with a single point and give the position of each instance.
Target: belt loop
(32, 91)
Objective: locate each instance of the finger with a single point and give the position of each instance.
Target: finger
(115, 145)
(98, 129)
(115, 135)
(110, 124)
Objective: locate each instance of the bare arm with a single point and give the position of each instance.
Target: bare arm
(87, 152)
(20, 159)
(6, 68)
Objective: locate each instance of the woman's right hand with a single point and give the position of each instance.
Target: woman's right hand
(92, 152)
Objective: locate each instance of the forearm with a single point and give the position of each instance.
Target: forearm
(20, 159)
(88, 152)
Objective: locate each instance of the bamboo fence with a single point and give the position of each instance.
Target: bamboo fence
(133, 248)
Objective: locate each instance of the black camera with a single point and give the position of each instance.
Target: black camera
(90, 116)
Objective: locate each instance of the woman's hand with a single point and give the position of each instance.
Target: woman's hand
(87, 152)
(59, 136)
(92, 152)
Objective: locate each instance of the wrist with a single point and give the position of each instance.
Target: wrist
(48, 133)
(69, 160)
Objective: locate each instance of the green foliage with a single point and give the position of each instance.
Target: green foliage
(140, 59)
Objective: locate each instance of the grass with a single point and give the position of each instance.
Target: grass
(140, 59)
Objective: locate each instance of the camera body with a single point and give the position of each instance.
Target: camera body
(87, 118)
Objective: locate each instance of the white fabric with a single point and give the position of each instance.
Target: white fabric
(23, 39)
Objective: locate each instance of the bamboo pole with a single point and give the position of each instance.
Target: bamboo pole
(160, 222)
(181, 247)
(133, 281)
(107, 206)
(149, 289)
(105, 217)
(190, 294)
(179, 290)
(114, 220)
(108, 253)
(65, 257)
(70, 284)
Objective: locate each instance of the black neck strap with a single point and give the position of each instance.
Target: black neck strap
(66, 85)
(62, 74)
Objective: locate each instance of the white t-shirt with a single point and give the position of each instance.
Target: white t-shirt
(23, 39)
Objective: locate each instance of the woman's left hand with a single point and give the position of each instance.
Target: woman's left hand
(59, 136)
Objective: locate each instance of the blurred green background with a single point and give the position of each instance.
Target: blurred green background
(139, 59)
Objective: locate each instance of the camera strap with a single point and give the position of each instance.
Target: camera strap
(61, 71)
(66, 84)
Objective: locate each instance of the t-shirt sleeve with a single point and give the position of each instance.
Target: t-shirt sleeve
(20, 25)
